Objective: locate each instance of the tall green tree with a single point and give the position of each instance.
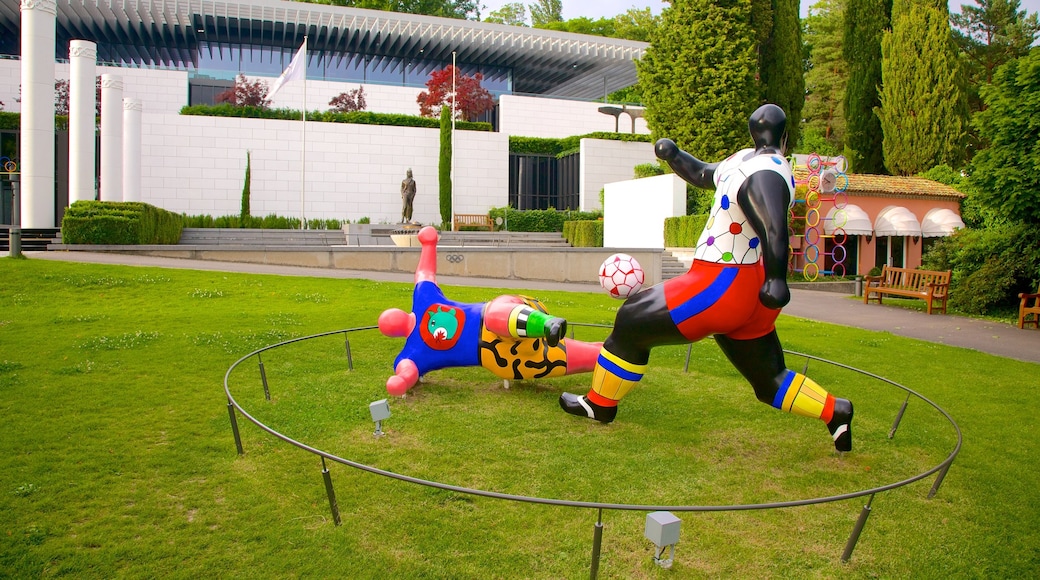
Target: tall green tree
(1006, 173)
(988, 35)
(512, 13)
(865, 22)
(545, 11)
(635, 24)
(444, 167)
(992, 33)
(699, 76)
(445, 8)
(782, 74)
(923, 112)
(825, 79)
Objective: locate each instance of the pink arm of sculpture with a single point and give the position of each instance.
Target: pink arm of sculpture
(397, 323)
(426, 271)
(496, 314)
(405, 376)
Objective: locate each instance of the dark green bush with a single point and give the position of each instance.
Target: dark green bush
(683, 231)
(584, 233)
(540, 220)
(566, 145)
(990, 266)
(119, 223)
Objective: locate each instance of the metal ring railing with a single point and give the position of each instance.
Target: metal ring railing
(941, 469)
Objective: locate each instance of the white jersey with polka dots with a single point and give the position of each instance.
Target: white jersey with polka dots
(728, 238)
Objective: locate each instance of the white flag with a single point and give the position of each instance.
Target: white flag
(296, 71)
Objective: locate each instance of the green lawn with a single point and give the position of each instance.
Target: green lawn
(117, 457)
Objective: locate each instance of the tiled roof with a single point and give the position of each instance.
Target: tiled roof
(866, 185)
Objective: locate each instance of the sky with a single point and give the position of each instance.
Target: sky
(595, 9)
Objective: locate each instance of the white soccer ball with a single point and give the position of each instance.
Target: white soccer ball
(621, 276)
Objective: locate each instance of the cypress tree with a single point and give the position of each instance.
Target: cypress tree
(243, 219)
(781, 66)
(698, 76)
(444, 168)
(865, 22)
(825, 80)
(924, 112)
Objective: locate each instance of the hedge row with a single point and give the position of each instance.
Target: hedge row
(557, 147)
(269, 222)
(119, 223)
(13, 121)
(683, 231)
(584, 233)
(540, 220)
(357, 117)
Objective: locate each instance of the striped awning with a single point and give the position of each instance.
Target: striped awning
(896, 220)
(940, 222)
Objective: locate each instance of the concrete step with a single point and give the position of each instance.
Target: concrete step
(32, 239)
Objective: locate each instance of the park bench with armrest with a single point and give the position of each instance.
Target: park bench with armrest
(927, 285)
(479, 220)
(1025, 309)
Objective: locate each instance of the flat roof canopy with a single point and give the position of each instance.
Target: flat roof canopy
(167, 33)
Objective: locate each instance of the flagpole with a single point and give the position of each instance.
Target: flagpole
(451, 175)
(303, 152)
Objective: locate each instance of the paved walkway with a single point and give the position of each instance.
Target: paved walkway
(992, 337)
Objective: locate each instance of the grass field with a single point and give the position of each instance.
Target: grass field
(117, 457)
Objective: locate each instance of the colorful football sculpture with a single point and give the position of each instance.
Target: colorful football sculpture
(511, 336)
(733, 291)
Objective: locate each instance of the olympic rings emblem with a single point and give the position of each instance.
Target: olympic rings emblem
(454, 258)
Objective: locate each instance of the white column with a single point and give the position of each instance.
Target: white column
(37, 130)
(111, 138)
(82, 120)
(132, 149)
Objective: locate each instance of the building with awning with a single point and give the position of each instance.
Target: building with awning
(878, 219)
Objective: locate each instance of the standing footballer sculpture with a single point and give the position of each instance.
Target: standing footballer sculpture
(733, 291)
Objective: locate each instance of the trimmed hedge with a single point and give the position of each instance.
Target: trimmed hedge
(584, 233)
(540, 220)
(558, 147)
(356, 117)
(268, 222)
(119, 223)
(684, 231)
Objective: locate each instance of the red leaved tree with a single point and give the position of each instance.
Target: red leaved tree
(246, 94)
(349, 101)
(471, 99)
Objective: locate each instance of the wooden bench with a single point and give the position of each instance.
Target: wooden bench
(927, 285)
(479, 220)
(1024, 310)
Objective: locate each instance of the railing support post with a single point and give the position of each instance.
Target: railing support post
(350, 358)
(597, 542)
(899, 417)
(857, 530)
(263, 378)
(333, 505)
(234, 428)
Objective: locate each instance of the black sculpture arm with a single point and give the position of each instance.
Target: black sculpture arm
(684, 165)
(764, 199)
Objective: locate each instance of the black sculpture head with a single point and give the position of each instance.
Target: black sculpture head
(768, 126)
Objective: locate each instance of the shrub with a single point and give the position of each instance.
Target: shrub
(684, 231)
(356, 117)
(349, 102)
(584, 233)
(246, 93)
(540, 220)
(990, 266)
(119, 223)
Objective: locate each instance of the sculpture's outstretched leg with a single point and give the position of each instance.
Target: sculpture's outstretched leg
(511, 316)
(761, 361)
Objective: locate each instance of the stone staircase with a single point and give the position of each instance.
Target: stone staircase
(33, 239)
(675, 262)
